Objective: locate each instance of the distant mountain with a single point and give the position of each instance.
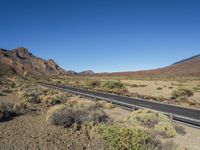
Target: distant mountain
(20, 60)
(188, 59)
(87, 72)
(186, 67)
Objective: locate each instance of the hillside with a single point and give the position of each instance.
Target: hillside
(20, 60)
(6, 70)
(186, 67)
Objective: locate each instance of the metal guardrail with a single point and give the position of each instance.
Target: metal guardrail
(173, 117)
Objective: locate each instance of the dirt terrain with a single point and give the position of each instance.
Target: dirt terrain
(31, 131)
(164, 89)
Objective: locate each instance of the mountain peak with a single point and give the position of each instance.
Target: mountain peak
(51, 61)
(22, 52)
(21, 60)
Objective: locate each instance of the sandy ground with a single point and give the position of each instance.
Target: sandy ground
(192, 134)
(31, 131)
(191, 140)
(151, 88)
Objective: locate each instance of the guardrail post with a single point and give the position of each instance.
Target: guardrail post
(134, 107)
(95, 98)
(171, 117)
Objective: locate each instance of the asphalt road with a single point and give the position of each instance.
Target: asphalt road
(186, 115)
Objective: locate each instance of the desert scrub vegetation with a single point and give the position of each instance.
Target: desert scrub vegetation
(8, 111)
(182, 92)
(159, 88)
(66, 115)
(94, 83)
(122, 138)
(107, 105)
(29, 91)
(152, 120)
(146, 117)
(53, 97)
(28, 96)
(166, 128)
(7, 86)
(116, 87)
(5, 112)
(197, 88)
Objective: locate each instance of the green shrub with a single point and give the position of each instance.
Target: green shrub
(66, 115)
(113, 85)
(122, 138)
(182, 92)
(166, 128)
(147, 118)
(159, 88)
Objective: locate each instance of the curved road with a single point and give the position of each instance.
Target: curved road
(186, 115)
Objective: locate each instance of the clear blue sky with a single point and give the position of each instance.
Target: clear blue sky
(103, 35)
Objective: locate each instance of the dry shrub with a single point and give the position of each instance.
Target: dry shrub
(6, 91)
(152, 120)
(49, 100)
(66, 115)
(31, 97)
(107, 105)
(166, 129)
(147, 118)
(72, 102)
(94, 83)
(20, 107)
(182, 92)
(52, 97)
(6, 112)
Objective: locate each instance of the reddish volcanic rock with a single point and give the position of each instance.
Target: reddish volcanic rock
(20, 60)
(22, 52)
(187, 67)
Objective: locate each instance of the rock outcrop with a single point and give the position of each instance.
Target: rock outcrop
(20, 60)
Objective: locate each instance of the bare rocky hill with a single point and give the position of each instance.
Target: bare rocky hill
(186, 67)
(20, 60)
